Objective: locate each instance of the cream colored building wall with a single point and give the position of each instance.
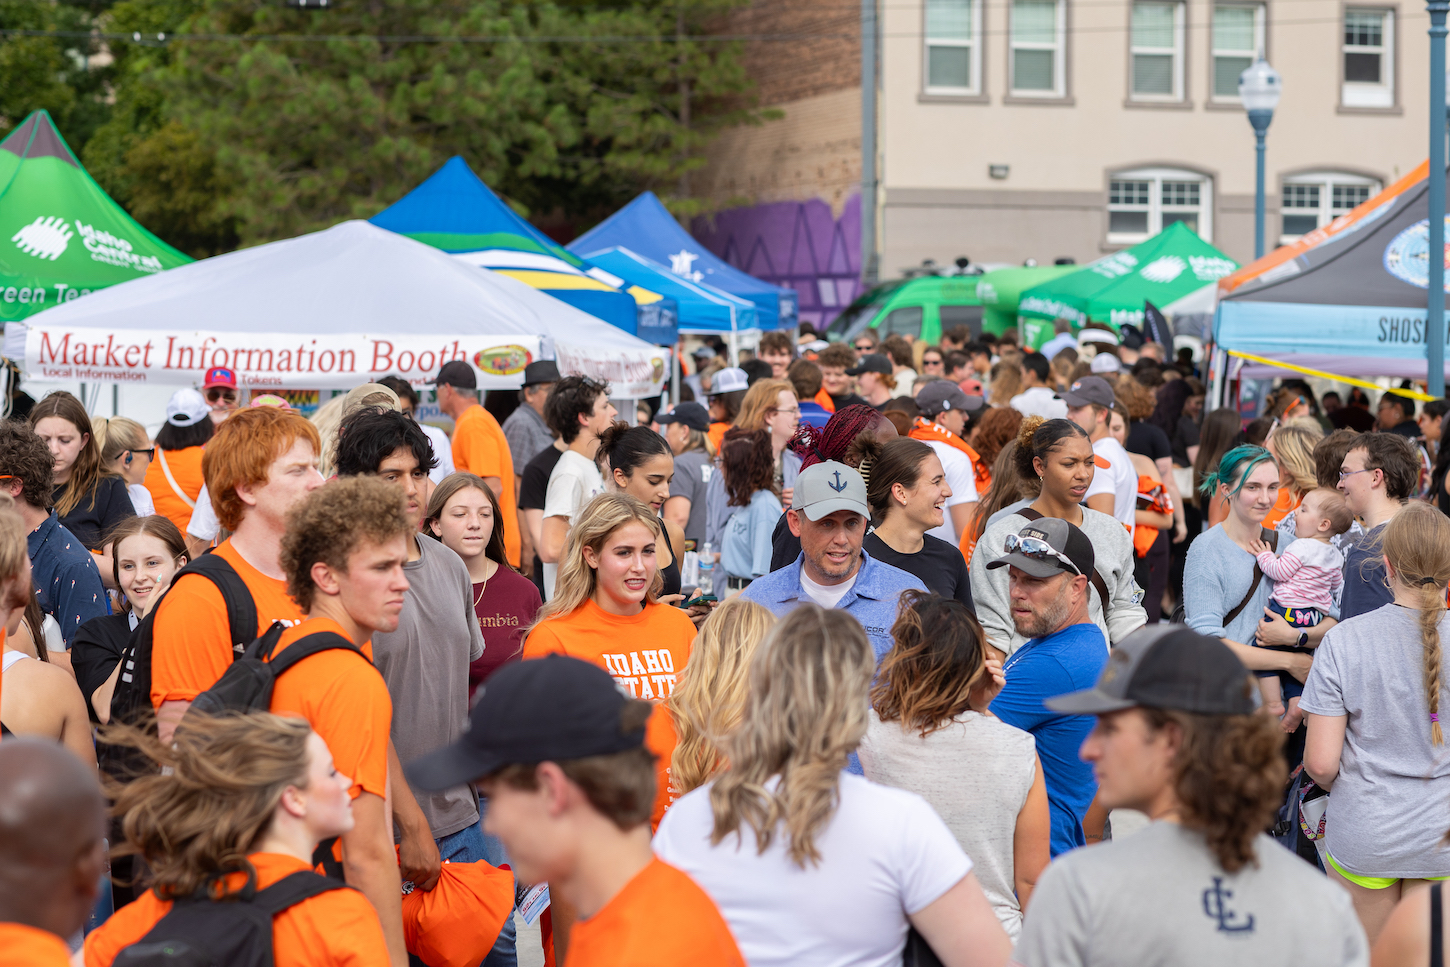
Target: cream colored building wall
(939, 200)
(814, 151)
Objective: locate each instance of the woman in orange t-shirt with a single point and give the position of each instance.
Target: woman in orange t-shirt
(604, 611)
(179, 444)
(258, 785)
(1292, 446)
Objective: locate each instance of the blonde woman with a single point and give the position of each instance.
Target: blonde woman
(1292, 445)
(810, 865)
(710, 696)
(1373, 702)
(604, 611)
(128, 451)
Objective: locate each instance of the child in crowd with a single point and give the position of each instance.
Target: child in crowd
(1306, 576)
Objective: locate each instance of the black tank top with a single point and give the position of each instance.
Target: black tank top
(671, 574)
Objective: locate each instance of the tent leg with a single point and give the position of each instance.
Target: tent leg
(675, 375)
(1220, 364)
(734, 348)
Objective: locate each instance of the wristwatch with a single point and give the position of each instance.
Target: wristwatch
(1303, 639)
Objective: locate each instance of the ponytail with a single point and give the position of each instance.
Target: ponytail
(1417, 546)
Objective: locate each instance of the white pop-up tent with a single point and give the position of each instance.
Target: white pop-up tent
(328, 310)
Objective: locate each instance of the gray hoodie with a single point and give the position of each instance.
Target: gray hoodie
(1113, 550)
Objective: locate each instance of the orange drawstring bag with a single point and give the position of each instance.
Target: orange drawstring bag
(1153, 496)
(456, 923)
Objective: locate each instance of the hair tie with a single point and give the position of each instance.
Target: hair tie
(1425, 581)
(1434, 716)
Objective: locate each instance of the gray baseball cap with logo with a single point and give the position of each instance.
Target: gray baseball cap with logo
(1166, 667)
(828, 487)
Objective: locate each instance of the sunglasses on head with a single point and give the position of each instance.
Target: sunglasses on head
(1037, 549)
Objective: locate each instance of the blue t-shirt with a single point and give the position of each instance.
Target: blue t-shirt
(1043, 668)
(67, 582)
(1364, 576)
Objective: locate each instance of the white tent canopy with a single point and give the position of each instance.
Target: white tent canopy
(328, 310)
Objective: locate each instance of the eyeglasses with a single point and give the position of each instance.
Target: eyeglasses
(793, 410)
(131, 454)
(931, 362)
(1351, 473)
(1037, 549)
(864, 347)
(221, 392)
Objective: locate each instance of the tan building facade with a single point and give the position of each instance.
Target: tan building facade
(1041, 129)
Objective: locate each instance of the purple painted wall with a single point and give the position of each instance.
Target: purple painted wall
(793, 243)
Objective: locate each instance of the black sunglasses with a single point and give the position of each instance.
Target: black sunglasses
(131, 454)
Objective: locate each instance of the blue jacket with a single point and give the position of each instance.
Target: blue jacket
(872, 600)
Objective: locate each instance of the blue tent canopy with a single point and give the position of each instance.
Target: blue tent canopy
(645, 226)
(702, 308)
(455, 211)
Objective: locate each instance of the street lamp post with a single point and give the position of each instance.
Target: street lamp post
(1259, 89)
(1435, 308)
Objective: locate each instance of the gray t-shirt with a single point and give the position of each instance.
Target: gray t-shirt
(1159, 899)
(1387, 810)
(975, 772)
(425, 665)
(693, 470)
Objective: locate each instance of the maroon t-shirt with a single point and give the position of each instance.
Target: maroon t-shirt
(507, 607)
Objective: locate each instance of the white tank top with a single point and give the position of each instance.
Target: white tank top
(11, 657)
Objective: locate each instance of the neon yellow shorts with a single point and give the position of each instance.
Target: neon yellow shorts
(1371, 882)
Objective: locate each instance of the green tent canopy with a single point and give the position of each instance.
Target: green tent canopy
(61, 236)
(1164, 269)
(1001, 290)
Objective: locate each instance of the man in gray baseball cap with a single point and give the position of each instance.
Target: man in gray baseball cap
(1178, 737)
(829, 514)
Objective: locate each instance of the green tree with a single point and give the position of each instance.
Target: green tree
(52, 72)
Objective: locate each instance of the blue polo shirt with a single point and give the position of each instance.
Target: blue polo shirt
(1042, 668)
(872, 600)
(67, 582)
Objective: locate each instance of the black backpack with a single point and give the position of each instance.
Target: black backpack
(247, 685)
(132, 697)
(234, 932)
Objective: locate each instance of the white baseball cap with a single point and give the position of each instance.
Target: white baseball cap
(187, 407)
(729, 380)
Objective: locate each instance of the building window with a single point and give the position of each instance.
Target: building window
(952, 64)
(1157, 51)
(1368, 59)
(1314, 200)
(1143, 203)
(1037, 32)
(1238, 38)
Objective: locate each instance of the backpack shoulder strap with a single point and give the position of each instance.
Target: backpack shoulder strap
(241, 608)
(293, 889)
(309, 645)
(171, 480)
(1029, 513)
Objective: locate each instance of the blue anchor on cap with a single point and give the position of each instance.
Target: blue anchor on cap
(840, 484)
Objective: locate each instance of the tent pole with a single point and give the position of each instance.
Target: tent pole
(675, 374)
(1435, 318)
(734, 346)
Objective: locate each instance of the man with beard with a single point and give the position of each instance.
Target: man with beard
(1066, 651)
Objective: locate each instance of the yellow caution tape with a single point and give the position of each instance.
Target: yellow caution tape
(1413, 394)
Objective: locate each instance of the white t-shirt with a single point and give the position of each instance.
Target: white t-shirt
(574, 482)
(442, 452)
(1120, 479)
(962, 478)
(885, 854)
(204, 523)
(141, 500)
(827, 595)
(1039, 401)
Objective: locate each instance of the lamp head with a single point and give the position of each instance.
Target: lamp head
(1260, 86)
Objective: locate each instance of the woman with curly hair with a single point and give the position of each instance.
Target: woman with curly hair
(1178, 737)
(811, 865)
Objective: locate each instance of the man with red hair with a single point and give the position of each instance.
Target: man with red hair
(260, 464)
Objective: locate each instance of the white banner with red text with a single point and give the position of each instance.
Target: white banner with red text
(274, 360)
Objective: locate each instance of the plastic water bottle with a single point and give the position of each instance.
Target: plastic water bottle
(707, 569)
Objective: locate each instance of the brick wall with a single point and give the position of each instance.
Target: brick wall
(814, 47)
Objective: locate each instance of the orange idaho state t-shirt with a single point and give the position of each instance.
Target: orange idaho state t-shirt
(345, 700)
(334, 929)
(185, 466)
(660, 919)
(480, 447)
(645, 653)
(192, 640)
(26, 946)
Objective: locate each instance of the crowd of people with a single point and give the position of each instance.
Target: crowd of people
(862, 653)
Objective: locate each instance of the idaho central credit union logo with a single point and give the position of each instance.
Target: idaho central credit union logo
(44, 238)
(1407, 257)
(503, 360)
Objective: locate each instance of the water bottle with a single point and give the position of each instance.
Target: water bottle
(690, 567)
(707, 569)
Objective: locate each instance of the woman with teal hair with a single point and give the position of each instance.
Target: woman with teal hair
(1221, 596)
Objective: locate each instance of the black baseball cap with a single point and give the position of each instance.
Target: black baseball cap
(872, 363)
(1089, 389)
(1062, 537)
(1167, 667)
(692, 414)
(456, 373)
(548, 709)
(542, 371)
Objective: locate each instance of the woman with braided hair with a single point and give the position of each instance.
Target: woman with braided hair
(833, 442)
(1373, 702)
